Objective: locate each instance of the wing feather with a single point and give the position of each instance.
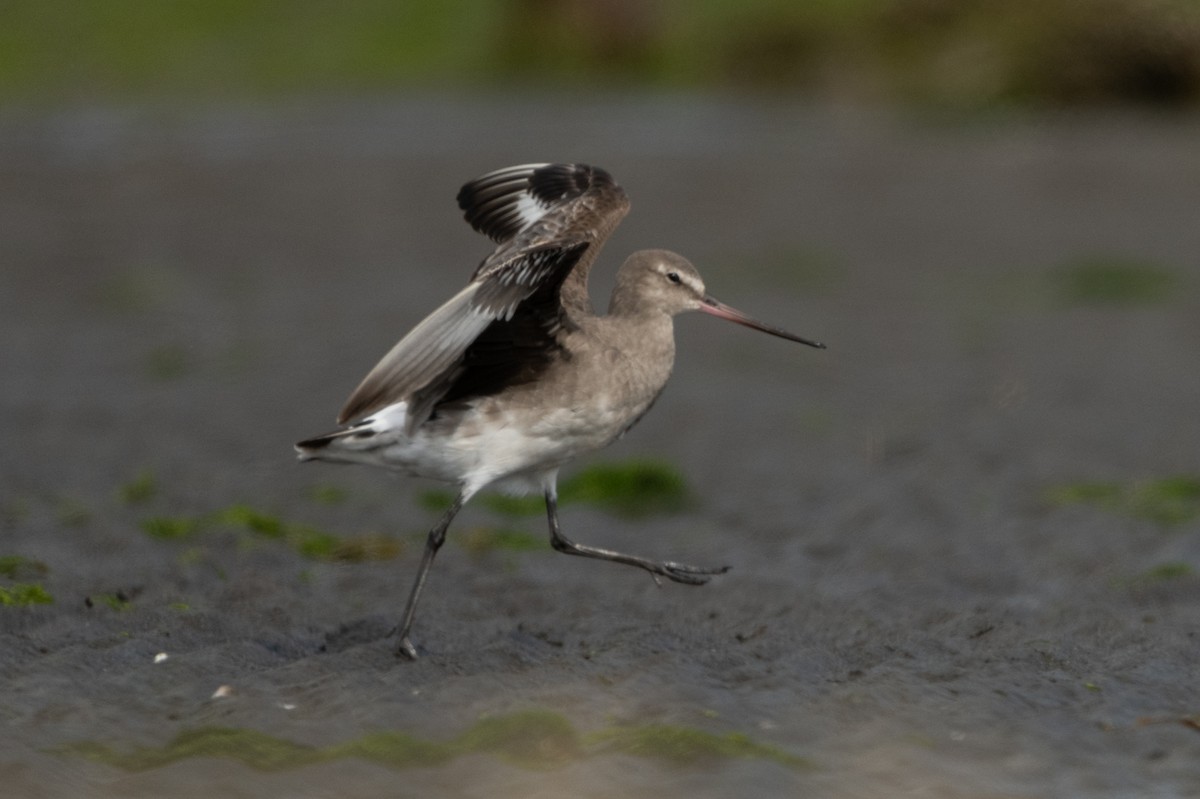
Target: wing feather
(504, 203)
(420, 357)
(429, 359)
(549, 221)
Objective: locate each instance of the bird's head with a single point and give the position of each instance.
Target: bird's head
(664, 282)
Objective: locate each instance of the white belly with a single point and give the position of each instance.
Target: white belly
(515, 440)
(510, 448)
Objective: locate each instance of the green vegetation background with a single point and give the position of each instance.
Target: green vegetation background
(973, 53)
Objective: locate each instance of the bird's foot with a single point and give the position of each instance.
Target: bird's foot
(685, 573)
(406, 650)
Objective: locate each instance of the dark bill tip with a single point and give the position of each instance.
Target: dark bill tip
(723, 311)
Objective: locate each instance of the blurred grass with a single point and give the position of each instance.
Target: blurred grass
(1114, 281)
(938, 52)
(1168, 500)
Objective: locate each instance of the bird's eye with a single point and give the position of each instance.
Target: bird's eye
(673, 277)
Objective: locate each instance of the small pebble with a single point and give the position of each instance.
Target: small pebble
(222, 692)
(160, 657)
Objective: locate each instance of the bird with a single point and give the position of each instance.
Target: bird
(516, 374)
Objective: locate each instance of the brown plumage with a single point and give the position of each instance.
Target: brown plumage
(516, 375)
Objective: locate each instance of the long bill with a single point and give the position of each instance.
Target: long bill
(723, 311)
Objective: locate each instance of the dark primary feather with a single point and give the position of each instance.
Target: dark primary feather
(522, 293)
(489, 203)
(549, 220)
(515, 350)
(492, 204)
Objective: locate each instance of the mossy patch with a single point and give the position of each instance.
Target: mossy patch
(170, 528)
(532, 739)
(488, 539)
(328, 494)
(687, 746)
(631, 488)
(137, 289)
(308, 541)
(1114, 281)
(1164, 572)
(436, 500)
(255, 749)
(23, 594)
(139, 490)
(345, 549)
(254, 521)
(1167, 501)
(17, 567)
(119, 601)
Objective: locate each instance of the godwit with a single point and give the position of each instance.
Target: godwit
(516, 375)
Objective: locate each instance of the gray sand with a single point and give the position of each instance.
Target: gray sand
(185, 293)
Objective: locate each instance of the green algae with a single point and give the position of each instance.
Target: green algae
(137, 289)
(687, 746)
(139, 490)
(118, 601)
(255, 524)
(1164, 572)
(254, 521)
(24, 594)
(487, 539)
(1167, 501)
(533, 739)
(328, 494)
(170, 528)
(18, 567)
(255, 749)
(633, 488)
(316, 545)
(436, 500)
(1114, 281)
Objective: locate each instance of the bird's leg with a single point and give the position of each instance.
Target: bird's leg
(679, 572)
(437, 536)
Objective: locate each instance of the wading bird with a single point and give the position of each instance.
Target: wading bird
(515, 375)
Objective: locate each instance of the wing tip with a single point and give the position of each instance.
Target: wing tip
(503, 202)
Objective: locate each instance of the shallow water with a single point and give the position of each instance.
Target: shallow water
(914, 609)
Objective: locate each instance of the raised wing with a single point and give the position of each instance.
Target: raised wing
(549, 221)
(524, 206)
(432, 354)
(503, 203)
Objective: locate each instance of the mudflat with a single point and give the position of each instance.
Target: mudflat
(964, 539)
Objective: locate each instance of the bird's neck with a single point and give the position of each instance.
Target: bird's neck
(628, 302)
(574, 292)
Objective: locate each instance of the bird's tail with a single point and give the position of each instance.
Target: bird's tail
(349, 443)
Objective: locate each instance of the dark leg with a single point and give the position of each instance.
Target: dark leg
(437, 536)
(679, 572)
